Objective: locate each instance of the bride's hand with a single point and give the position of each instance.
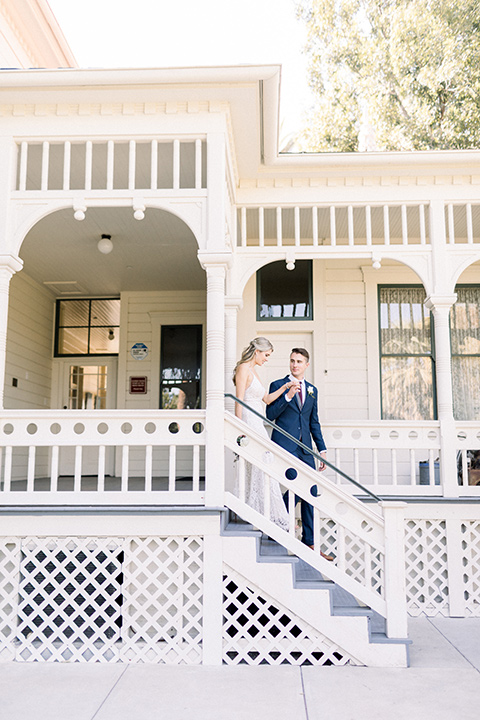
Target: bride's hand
(293, 387)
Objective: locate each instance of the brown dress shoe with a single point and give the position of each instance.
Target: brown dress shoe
(330, 558)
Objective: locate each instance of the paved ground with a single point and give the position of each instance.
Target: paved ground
(443, 683)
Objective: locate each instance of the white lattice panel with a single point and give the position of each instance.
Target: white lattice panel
(70, 599)
(259, 630)
(361, 561)
(471, 564)
(163, 609)
(102, 599)
(9, 578)
(426, 567)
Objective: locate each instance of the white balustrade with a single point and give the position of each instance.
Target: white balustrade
(51, 454)
(354, 532)
(352, 225)
(139, 168)
(390, 458)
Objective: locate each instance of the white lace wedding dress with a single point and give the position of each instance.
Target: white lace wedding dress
(254, 477)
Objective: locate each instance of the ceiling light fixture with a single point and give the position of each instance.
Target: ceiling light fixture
(105, 244)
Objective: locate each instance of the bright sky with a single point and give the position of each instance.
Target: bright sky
(172, 33)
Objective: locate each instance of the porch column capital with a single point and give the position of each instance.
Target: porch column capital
(440, 302)
(10, 264)
(233, 304)
(212, 263)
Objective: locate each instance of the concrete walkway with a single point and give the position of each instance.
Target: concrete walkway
(443, 683)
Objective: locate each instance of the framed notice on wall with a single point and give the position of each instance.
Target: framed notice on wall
(138, 385)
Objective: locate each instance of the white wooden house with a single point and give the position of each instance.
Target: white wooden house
(149, 229)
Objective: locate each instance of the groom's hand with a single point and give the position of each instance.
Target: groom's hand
(321, 465)
(293, 389)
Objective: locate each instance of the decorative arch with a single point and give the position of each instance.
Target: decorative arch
(28, 214)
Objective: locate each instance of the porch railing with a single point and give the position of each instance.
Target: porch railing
(102, 457)
(128, 164)
(359, 225)
(367, 543)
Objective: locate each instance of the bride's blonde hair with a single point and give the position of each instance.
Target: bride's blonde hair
(259, 343)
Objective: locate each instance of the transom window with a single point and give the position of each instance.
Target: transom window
(406, 356)
(465, 339)
(87, 327)
(285, 294)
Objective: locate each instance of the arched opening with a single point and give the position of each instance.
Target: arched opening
(75, 309)
(338, 320)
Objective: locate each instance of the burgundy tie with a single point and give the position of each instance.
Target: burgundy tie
(301, 395)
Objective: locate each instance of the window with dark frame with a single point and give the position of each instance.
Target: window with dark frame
(87, 327)
(465, 342)
(181, 367)
(407, 364)
(285, 294)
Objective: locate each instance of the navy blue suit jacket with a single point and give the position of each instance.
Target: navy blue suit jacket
(301, 423)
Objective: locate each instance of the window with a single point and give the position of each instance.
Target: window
(180, 367)
(87, 327)
(285, 294)
(465, 339)
(406, 357)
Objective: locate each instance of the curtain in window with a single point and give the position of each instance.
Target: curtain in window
(406, 355)
(465, 337)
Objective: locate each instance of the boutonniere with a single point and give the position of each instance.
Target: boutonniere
(310, 390)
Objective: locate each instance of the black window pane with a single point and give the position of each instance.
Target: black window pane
(87, 327)
(285, 294)
(73, 341)
(105, 312)
(181, 355)
(73, 313)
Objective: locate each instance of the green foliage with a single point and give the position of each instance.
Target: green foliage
(408, 70)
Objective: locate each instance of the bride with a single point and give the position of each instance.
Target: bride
(250, 389)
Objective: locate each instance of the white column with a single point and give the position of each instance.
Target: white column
(9, 265)
(440, 306)
(439, 301)
(214, 452)
(232, 306)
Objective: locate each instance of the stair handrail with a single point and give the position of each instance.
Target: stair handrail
(304, 447)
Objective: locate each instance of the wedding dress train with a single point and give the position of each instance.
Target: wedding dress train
(254, 477)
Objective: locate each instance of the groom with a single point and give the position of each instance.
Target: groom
(296, 412)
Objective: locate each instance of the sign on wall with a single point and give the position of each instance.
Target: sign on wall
(138, 385)
(139, 351)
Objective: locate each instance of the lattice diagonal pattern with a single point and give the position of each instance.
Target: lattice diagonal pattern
(360, 560)
(9, 578)
(101, 599)
(163, 610)
(258, 630)
(471, 564)
(426, 567)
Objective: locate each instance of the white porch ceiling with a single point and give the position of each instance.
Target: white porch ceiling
(157, 253)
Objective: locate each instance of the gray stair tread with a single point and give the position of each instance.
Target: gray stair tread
(378, 623)
(305, 572)
(272, 548)
(343, 602)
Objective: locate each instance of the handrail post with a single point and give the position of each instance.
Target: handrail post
(395, 587)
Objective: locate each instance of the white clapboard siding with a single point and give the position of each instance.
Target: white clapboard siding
(346, 344)
(141, 307)
(29, 344)
(29, 358)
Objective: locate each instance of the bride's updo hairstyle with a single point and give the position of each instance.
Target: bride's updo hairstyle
(259, 343)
